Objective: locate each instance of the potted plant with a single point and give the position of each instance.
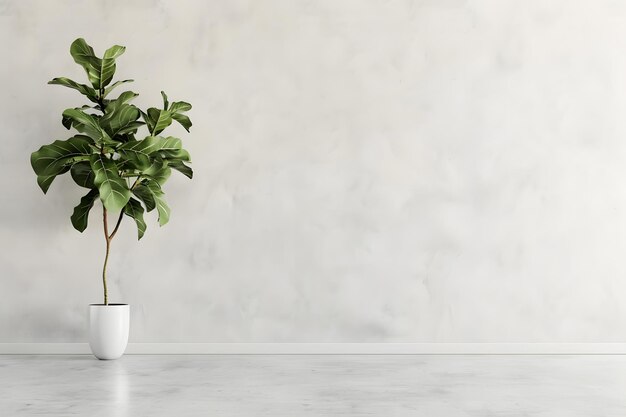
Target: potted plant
(121, 168)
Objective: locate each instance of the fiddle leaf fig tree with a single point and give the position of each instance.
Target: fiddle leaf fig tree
(124, 169)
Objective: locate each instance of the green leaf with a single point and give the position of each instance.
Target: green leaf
(88, 124)
(149, 121)
(159, 171)
(183, 120)
(161, 119)
(176, 109)
(163, 210)
(181, 167)
(121, 118)
(171, 149)
(134, 209)
(118, 117)
(99, 71)
(142, 152)
(130, 128)
(139, 151)
(84, 89)
(165, 102)
(124, 97)
(44, 181)
(82, 174)
(84, 56)
(107, 70)
(114, 192)
(52, 159)
(179, 154)
(80, 216)
(115, 84)
(114, 52)
(169, 143)
(67, 121)
(143, 193)
(161, 206)
(179, 107)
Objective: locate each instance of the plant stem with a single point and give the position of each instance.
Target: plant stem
(106, 257)
(107, 238)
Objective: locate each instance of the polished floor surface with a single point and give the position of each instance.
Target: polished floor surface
(323, 385)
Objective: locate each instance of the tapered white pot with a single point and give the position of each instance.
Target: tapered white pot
(108, 330)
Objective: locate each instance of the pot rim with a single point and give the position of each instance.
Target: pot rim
(108, 305)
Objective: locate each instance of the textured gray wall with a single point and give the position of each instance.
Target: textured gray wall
(408, 171)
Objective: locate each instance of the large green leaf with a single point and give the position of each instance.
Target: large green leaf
(99, 71)
(84, 56)
(143, 193)
(158, 120)
(88, 124)
(158, 171)
(114, 192)
(183, 120)
(148, 120)
(181, 167)
(44, 181)
(180, 107)
(82, 174)
(107, 69)
(68, 121)
(176, 155)
(115, 84)
(84, 89)
(124, 97)
(130, 128)
(119, 117)
(80, 216)
(176, 110)
(52, 159)
(134, 209)
(139, 151)
(161, 206)
(142, 152)
(170, 143)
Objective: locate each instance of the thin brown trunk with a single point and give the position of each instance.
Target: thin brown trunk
(106, 257)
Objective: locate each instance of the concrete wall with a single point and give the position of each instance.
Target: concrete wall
(365, 171)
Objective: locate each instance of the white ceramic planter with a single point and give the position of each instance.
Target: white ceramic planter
(108, 330)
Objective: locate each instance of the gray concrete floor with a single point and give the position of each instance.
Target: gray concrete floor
(310, 385)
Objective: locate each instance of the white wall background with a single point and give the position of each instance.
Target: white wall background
(366, 171)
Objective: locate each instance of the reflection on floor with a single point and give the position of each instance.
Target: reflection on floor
(324, 385)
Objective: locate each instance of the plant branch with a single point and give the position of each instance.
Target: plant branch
(135, 183)
(117, 225)
(101, 99)
(119, 219)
